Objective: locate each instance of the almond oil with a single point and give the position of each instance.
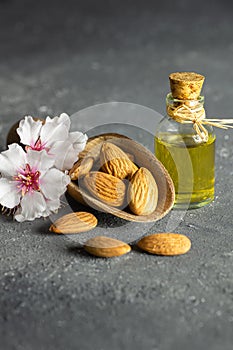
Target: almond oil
(191, 167)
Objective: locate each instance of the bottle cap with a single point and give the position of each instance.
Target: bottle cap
(186, 85)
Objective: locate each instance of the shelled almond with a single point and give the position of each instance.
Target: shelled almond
(81, 168)
(75, 222)
(142, 192)
(165, 244)
(116, 162)
(105, 187)
(106, 247)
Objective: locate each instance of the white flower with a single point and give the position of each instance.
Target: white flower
(29, 183)
(54, 137)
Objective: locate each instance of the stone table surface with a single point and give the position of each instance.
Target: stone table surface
(64, 56)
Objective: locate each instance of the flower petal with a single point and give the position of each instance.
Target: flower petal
(56, 129)
(65, 155)
(11, 160)
(33, 206)
(39, 160)
(51, 206)
(66, 152)
(9, 194)
(53, 183)
(78, 140)
(78, 137)
(29, 130)
(65, 120)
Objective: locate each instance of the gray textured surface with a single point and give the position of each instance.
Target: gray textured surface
(64, 56)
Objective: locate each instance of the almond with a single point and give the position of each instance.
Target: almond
(142, 193)
(105, 187)
(94, 144)
(74, 223)
(92, 148)
(81, 168)
(106, 247)
(114, 161)
(165, 244)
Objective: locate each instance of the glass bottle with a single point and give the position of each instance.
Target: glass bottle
(188, 159)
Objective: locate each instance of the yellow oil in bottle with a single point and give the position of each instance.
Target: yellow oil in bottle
(191, 167)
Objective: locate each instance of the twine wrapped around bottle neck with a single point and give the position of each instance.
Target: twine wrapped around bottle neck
(195, 114)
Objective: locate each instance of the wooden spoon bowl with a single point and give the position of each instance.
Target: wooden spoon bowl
(143, 158)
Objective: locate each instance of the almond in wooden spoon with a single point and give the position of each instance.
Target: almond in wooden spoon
(142, 193)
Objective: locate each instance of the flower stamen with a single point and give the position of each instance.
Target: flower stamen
(28, 180)
(37, 146)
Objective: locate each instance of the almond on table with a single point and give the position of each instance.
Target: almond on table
(165, 244)
(76, 222)
(106, 247)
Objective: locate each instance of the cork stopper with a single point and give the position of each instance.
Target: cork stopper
(186, 85)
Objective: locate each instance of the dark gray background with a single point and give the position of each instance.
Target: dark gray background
(60, 56)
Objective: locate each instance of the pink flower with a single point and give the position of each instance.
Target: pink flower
(29, 183)
(54, 137)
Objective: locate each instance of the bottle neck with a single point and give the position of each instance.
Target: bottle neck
(173, 103)
(185, 111)
(188, 112)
